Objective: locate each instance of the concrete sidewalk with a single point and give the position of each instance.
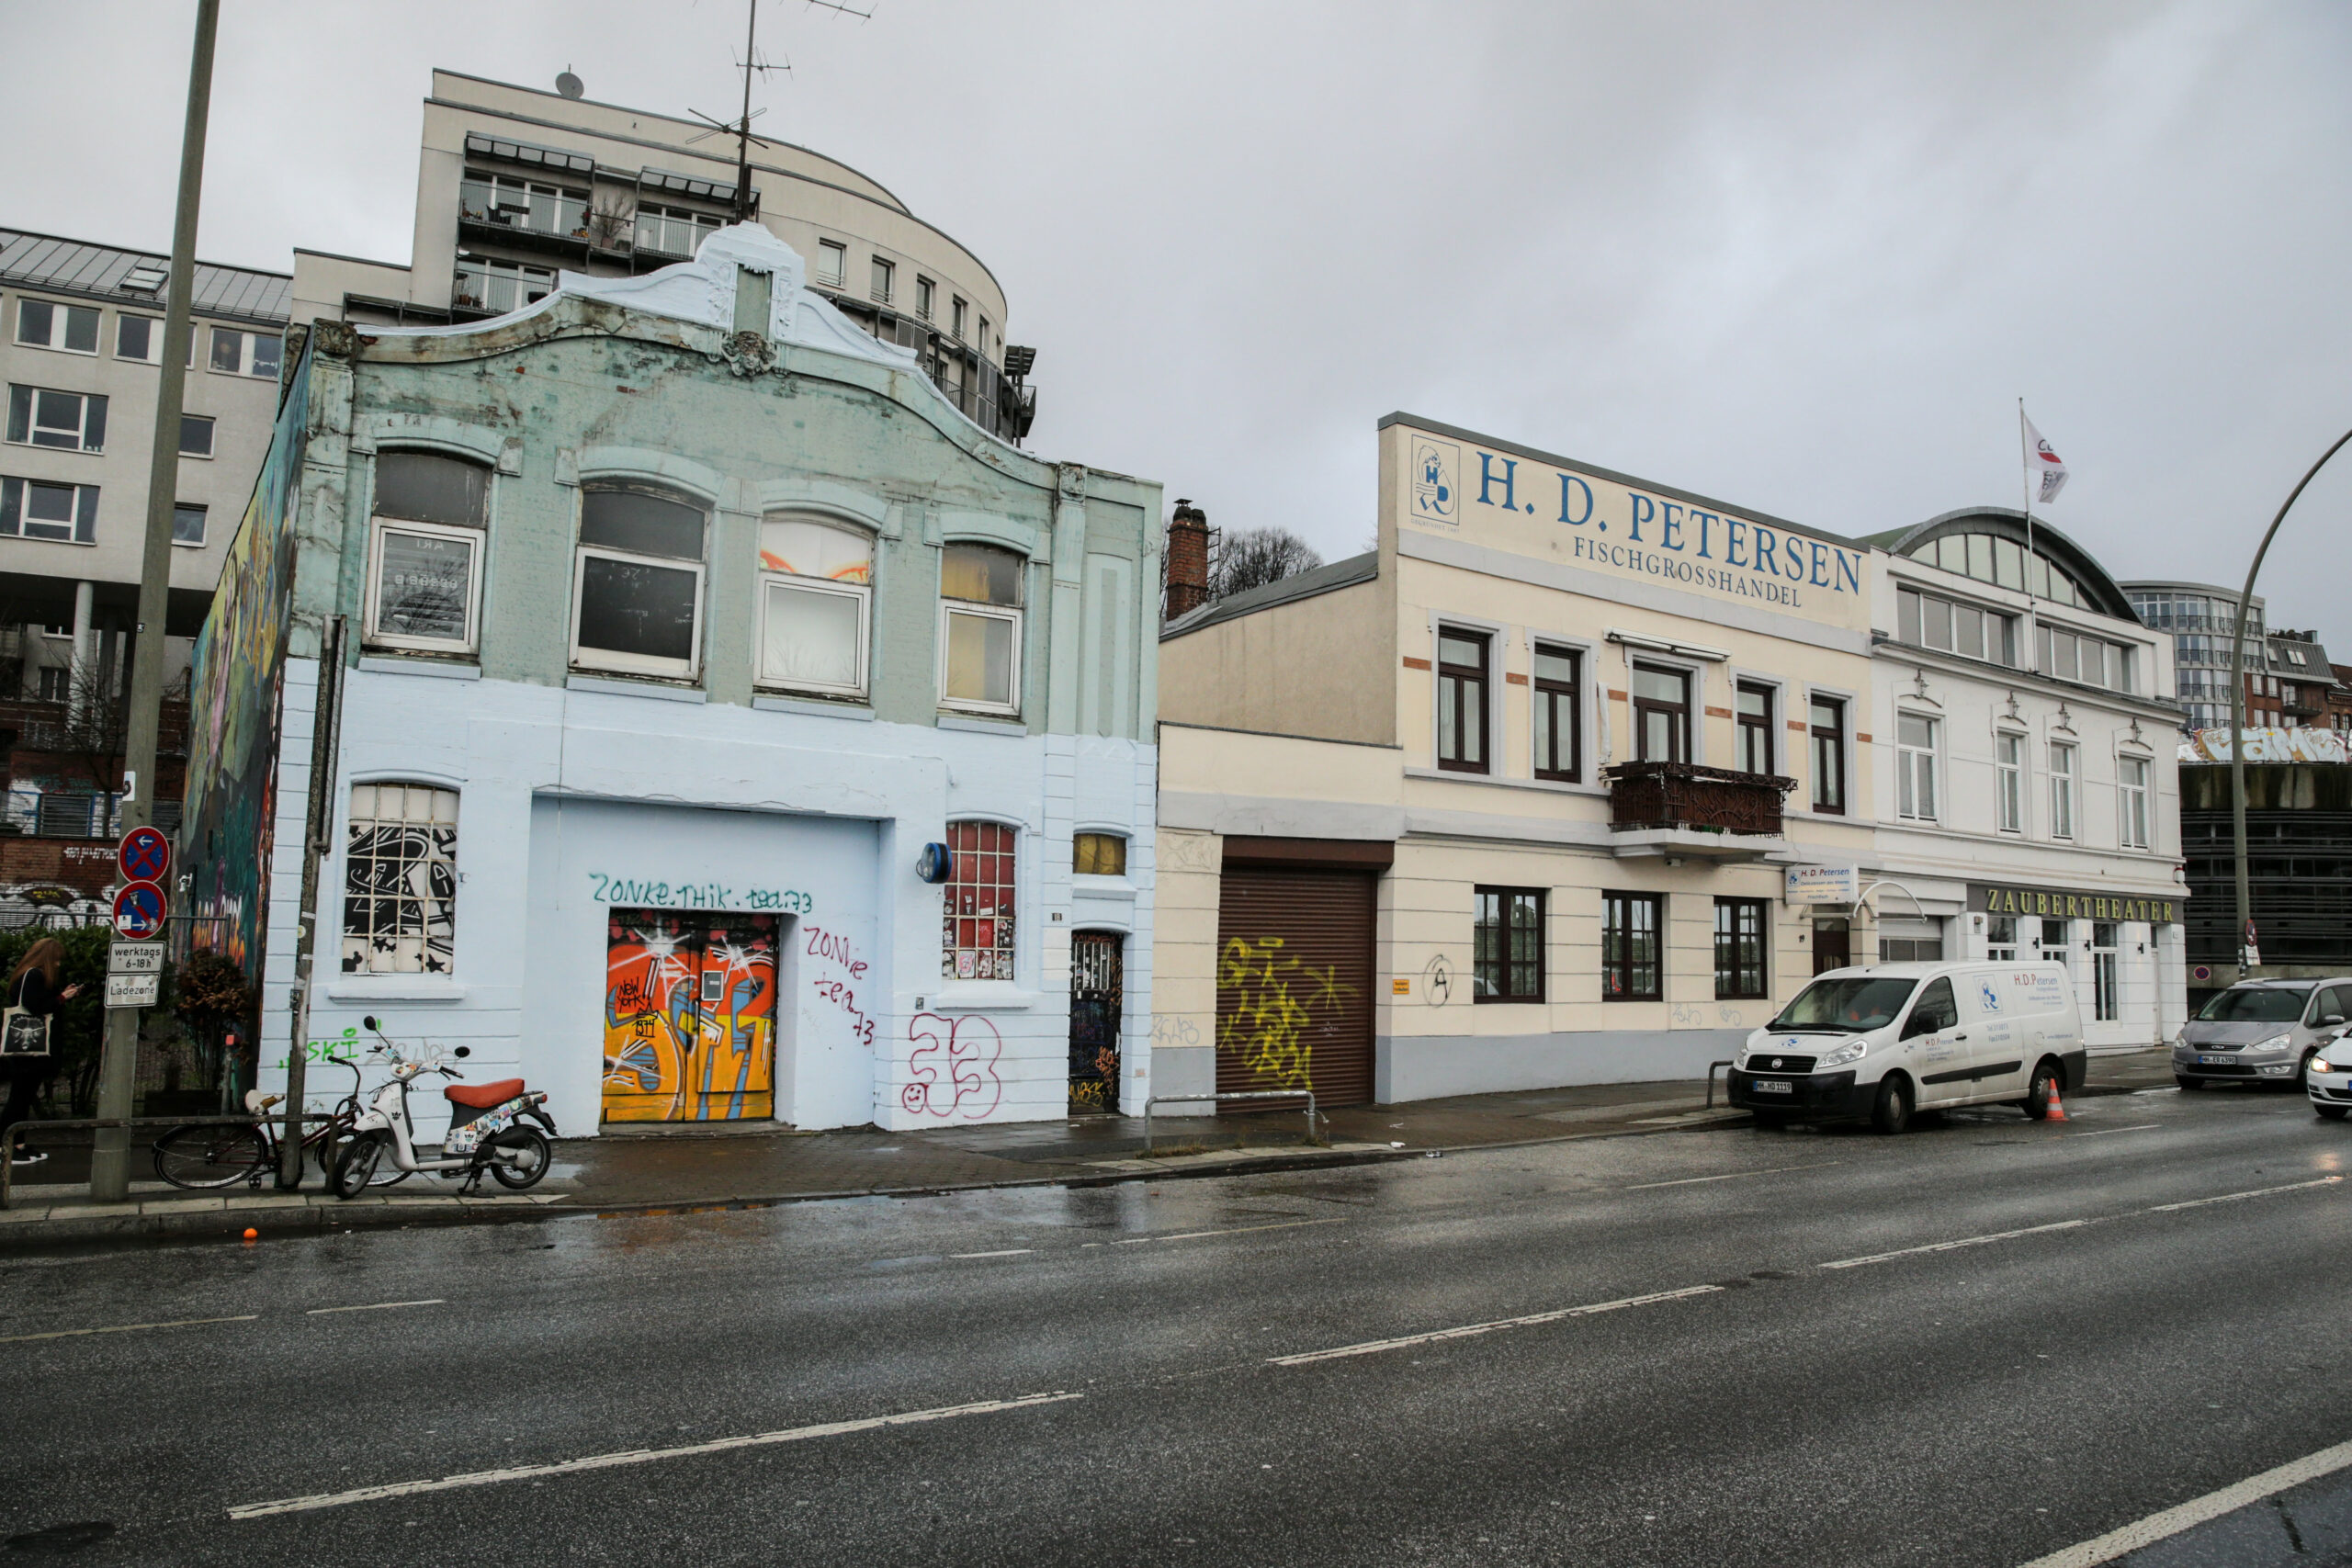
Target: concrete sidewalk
(668, 1169)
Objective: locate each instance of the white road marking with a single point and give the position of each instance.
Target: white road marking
(1374, 1346)
(636, 1456)
(2233, 1197)
(2197, 1510)
(1007, 1252)
(376, 1307)
(1729, 1175)
(1238, 1230)
(125, 1328)
(2103, 1132)
(1950, 1246)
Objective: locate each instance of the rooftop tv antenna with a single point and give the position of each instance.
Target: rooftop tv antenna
(754, 62)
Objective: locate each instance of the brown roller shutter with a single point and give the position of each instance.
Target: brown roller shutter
(1293, 988)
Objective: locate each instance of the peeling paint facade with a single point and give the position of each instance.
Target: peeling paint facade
(681, 615)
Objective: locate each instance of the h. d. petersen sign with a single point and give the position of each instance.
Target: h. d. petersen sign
(1607, 524)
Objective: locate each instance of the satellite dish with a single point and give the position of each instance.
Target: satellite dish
(567, 85)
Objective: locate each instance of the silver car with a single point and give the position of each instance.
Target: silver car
(2261, 1032)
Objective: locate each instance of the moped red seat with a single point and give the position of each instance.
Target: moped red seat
(484, 1096)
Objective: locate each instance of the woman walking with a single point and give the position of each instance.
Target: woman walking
(33, 994)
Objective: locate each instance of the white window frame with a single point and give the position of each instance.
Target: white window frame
(884, 280)
(926, 296)
(834, 256)
(999, 611)
(2064, 798)
(583, 658)
(2008, 782)
(155, 338)
(246, 342)
(1906, 780)
(24, 484)
(2131, 803)
(861, 592)
(32, 418)
(57, 320)
(476, 538)
(212, 436)
(201, 511)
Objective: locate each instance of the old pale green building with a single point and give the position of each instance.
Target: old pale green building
(728, 728)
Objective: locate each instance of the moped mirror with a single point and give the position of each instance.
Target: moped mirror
(463, 1051)
(369, 1022)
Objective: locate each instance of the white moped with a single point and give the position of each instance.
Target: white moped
(487, 1131)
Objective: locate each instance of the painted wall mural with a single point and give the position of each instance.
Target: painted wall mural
(953, 1067)
(235, 683)
(1274, 998)
(690, 1002)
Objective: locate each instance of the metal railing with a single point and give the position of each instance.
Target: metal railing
(26, 1129)
(1710, 1083)
(1307, 1095)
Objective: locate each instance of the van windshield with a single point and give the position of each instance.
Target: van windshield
(1847, 1005)
(2256, 1004)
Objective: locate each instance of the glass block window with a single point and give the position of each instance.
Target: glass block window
(401, 880)
(977, 939)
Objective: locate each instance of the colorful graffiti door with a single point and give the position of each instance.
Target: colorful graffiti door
(1095, 1000)
(690, 1008)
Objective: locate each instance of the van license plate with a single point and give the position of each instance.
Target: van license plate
(2216, 1061)
(1770, 1086)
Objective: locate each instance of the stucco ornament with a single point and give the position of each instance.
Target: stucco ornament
(749, 354)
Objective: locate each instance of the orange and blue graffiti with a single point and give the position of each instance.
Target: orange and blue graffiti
(689, 1016)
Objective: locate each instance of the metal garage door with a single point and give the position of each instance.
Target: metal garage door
(1294, 986)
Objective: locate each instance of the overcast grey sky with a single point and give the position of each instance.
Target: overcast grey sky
(1801, 257)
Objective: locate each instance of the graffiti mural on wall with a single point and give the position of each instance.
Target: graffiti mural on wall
(235, 685)
(952, 1067)
(689, 1016)
(1274, 1000)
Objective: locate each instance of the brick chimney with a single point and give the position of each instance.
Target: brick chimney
(1188, 559)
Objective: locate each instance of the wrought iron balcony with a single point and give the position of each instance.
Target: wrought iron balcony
(1685, 795)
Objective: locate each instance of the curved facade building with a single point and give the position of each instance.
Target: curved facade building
(2201, 618)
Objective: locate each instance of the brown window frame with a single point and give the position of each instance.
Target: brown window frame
(1753, 732)
(1496, 973)
(1833, 737)
(1553, 701)
(1468, 685)
(1679, 734)
(1623, 967)
(1738, 988)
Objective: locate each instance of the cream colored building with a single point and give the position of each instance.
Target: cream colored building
(1510, 801)
(515, 185)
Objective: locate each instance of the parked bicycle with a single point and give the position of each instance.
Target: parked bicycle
(213, 1155)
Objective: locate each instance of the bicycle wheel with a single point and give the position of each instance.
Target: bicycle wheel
(355, 1163)
(387, 1174)
(211, 1156)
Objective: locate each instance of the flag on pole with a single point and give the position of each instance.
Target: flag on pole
(2045, 472)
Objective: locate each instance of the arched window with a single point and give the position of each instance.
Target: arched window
(637, 580)
(425, 551)
(816, 597)
(400, 880)
(979, 629)
(1988, 558)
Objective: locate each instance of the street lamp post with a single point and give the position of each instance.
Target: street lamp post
(2237, 703)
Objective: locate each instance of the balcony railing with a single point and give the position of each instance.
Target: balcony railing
(1684, 794)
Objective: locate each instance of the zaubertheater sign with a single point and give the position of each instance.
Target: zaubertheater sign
(2071, 904)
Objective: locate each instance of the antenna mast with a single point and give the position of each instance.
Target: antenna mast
(741, 127)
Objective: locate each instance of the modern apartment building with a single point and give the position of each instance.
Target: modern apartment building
(516, 186)
(2200, 619)
(81, 338)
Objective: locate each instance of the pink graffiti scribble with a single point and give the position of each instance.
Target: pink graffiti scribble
(968, 1066)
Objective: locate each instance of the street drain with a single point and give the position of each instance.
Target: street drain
(58, 1539)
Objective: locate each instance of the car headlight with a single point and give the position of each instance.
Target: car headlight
(2276, 1043)
(1845, 1053)
(2322, 1065)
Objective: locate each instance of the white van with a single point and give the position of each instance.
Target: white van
(1900, 1038)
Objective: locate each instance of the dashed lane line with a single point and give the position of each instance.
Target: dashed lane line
(2103, 1132)
(374, 1306)
(2187, 1516)
(638, 1456)
(1728, 1175)
(1238, 1230)
(1004, 1252)
(2252, 1193)
(1375, 1347)
(1952, 1245)
(125, 1328)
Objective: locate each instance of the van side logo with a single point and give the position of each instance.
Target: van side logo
(1437, 481)
(1991, 997)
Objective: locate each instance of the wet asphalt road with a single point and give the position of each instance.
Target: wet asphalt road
(1777, 1404)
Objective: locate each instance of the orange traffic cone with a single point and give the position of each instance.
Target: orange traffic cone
(2057, 1111)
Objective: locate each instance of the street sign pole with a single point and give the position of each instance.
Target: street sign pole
(119, 1064)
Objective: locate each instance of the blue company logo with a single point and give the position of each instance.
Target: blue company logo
(1790, 1044)
(1991, 997)
(1437, 488)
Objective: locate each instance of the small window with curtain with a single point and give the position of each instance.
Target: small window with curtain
(816, 597)
(1743, 927)
(1099, 854)
(1507, 945)
(1559, 724)
(1829, 737)
(1462, 700)
(979, 628)
(1754, 723)
(425, 541)
(1632, 966)
(976, 942)
(638, 581)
